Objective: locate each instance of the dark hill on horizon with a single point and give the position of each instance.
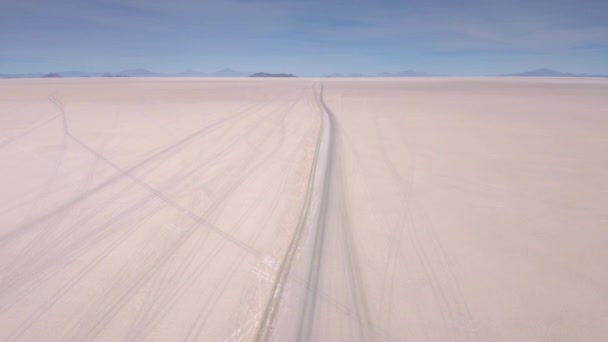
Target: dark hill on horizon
(51, 75)
(545, 72)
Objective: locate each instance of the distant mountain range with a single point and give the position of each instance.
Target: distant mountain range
(195, 73)
(133, 73)
(265, 74)
(544, 72)
(406, 73)
(32, 75)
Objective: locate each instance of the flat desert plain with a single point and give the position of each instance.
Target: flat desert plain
(435, 209)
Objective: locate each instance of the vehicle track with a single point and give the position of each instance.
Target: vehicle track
(167, 256)
(324, 196)
(264, 330)
(164, 152)
(334, 225)
(67, 253)
(216, 249)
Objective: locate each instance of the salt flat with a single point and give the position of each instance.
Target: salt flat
(434, 209)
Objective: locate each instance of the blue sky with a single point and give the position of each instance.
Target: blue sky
(470, 37)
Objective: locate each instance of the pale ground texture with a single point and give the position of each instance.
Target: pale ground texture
(304, 209)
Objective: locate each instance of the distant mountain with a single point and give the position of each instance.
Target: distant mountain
(51, 75)
(544, 72)
(32, 75)
(265, 74)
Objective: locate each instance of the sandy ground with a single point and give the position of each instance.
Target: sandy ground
(304, 209)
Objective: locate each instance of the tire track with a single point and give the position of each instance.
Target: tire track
(325, 183)
(264, 330)
(177, 292)
(73, 250)
(26, 227)
(27, 132)
(164, 259)
(334, 205)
